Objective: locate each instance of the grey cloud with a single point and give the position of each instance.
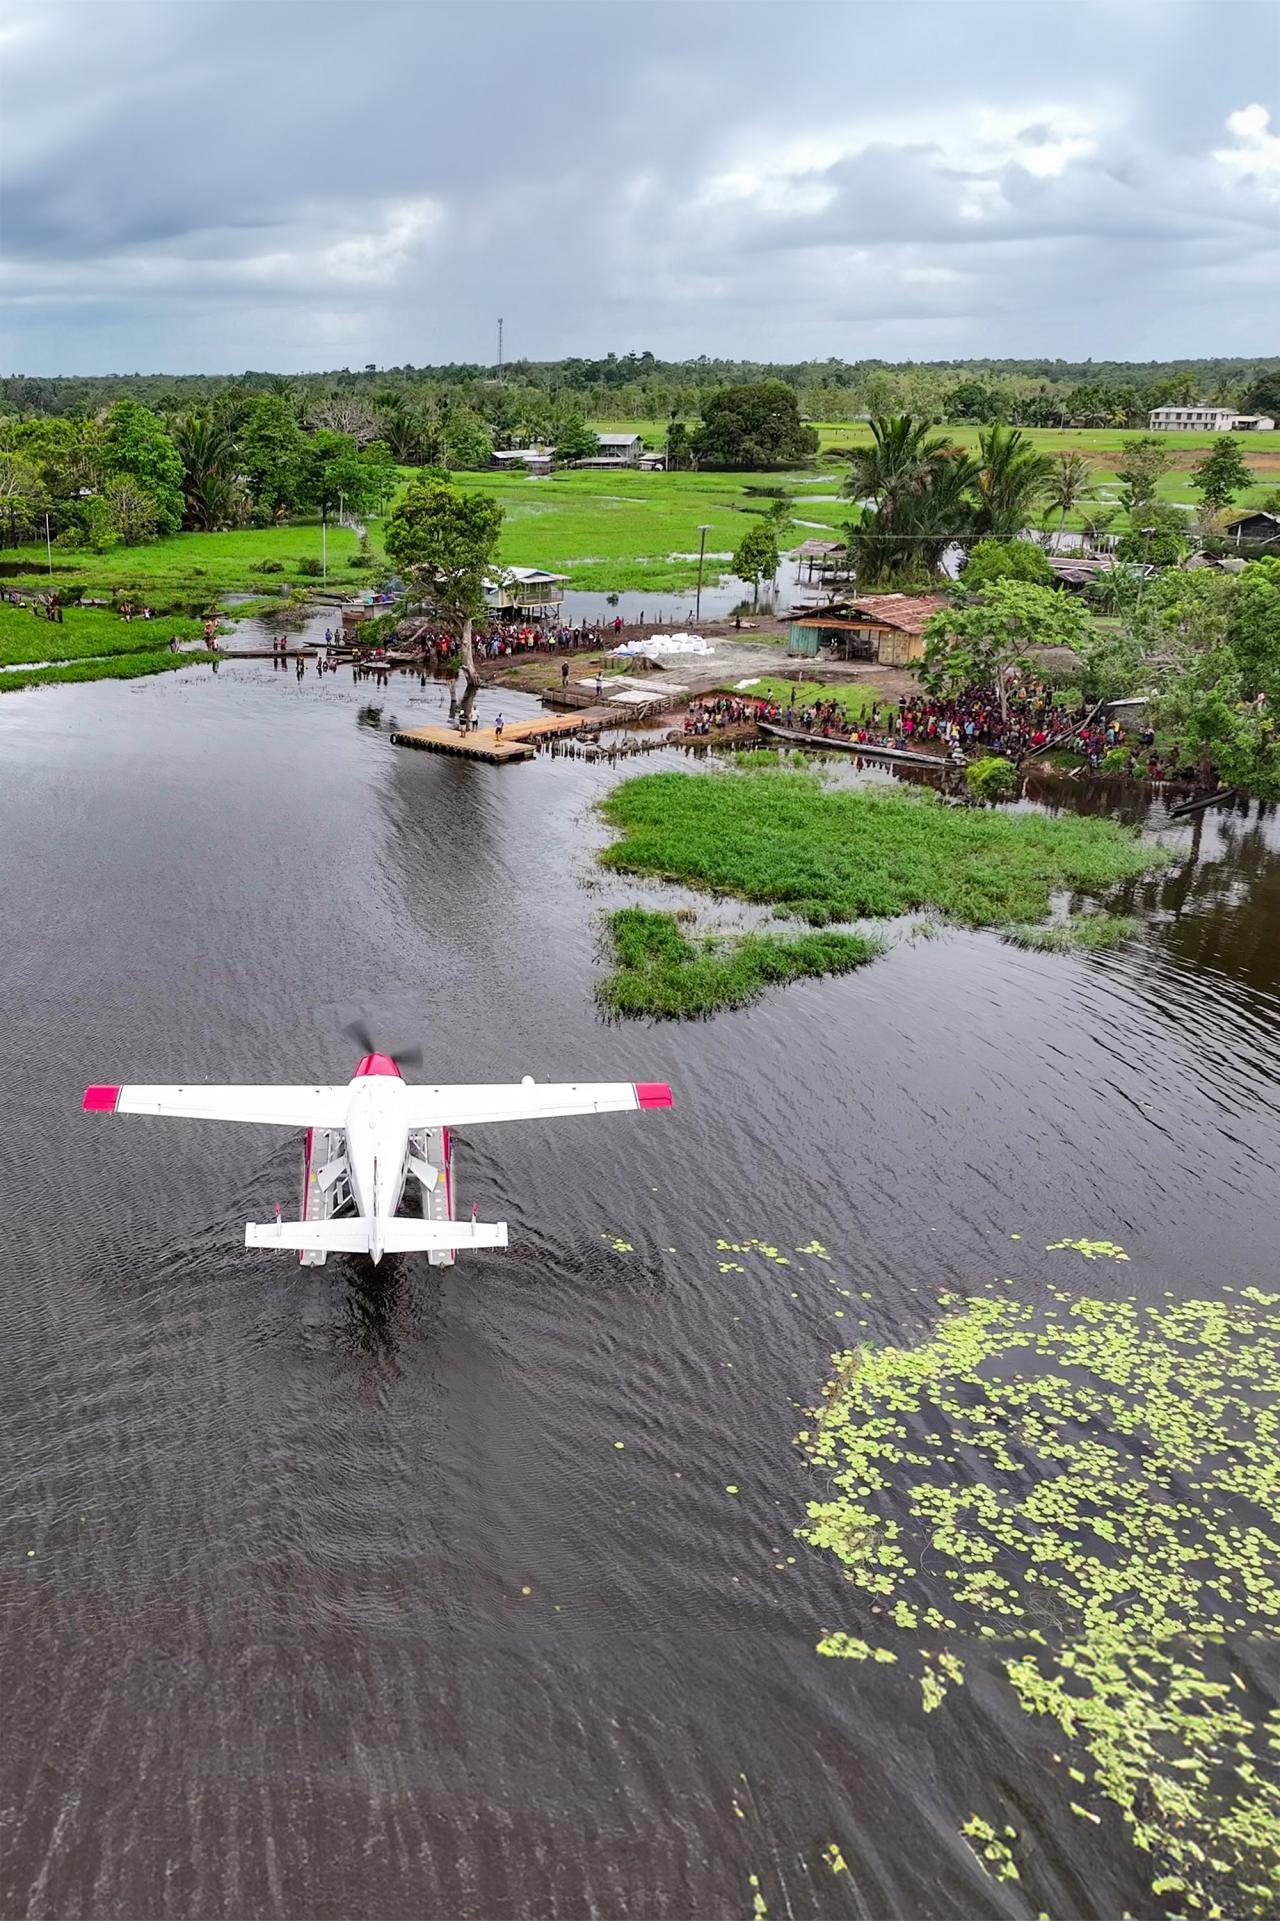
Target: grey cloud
(298, 184)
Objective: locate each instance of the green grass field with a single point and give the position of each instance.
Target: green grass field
(1100, 445)
(190, 570)
(627, 531)
(608, 531)
(845, 855)
(85, 632)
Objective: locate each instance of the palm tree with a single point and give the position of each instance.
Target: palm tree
(207, 444)
(1068, 483)
(1011, 478)
(918, 483)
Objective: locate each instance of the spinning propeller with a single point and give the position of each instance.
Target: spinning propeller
(358, 1031)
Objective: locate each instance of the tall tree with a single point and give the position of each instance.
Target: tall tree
(206, 445)
(271, 444)
(1221, 474)
(445, 544)
(1011, 478)
(756, 558)
(137, 446)
(918, 484)
(1144, 458)
(334, 476)
(753, 428)
(468, 444)
(981, 644)
(678, 448)
(24, 498)
(575, 438)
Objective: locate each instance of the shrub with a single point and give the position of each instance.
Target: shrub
(309, 569)
(993, 778)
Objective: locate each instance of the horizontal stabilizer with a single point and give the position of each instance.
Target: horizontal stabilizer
(351, 1235)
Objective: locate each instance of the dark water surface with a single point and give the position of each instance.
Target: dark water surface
(266, 1530)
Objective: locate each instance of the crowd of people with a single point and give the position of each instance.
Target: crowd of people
(718, 711)
(966, 724)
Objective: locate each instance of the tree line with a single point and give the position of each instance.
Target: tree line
(531, 399)
(133, 471)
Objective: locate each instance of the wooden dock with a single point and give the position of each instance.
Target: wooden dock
(898, 756)
(519, 737)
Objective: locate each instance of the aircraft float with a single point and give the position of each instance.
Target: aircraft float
(367, 1139)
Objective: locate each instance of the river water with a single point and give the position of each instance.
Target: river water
(329, 1592)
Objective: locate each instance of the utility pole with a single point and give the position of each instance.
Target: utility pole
(48, 545)
(702, 552)
(324, 546)
(499, 347)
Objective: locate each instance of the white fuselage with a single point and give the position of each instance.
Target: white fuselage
(377, 1142)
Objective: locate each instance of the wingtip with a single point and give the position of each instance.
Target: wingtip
(100, 1100)
(653, 1094)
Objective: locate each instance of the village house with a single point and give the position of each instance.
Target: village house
(884, 627)
(536, 459)
(1256, 529)
(1214, 420)
(615, 450)
(524, 590)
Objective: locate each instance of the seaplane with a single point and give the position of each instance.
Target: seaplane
(366, 1140)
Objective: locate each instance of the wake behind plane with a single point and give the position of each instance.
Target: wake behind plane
(367, 1139)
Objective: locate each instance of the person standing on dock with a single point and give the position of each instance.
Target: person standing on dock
(564, 674)
(497, 728)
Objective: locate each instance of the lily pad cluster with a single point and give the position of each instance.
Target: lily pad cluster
(1093, 1490)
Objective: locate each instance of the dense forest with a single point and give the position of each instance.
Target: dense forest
(527, 398)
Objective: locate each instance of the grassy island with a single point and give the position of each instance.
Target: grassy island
(828, 854)
(774, 834)
(663, 973)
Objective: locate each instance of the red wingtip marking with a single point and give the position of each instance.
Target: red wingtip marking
(101, 1100)
(653, 1094)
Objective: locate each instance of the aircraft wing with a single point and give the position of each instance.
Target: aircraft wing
(467, 1106)
(273, 1106)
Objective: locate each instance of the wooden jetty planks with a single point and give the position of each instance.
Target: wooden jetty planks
(518, 736)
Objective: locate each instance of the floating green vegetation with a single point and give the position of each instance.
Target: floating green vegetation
(842, 854)
(993, 778)
(771, 760)
(665, 975)
(992, 1848)
(1097, 1490)
(1092, 1250)
(1079, 933)
(116, 667)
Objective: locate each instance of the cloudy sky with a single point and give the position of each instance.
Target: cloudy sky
(213, 185)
